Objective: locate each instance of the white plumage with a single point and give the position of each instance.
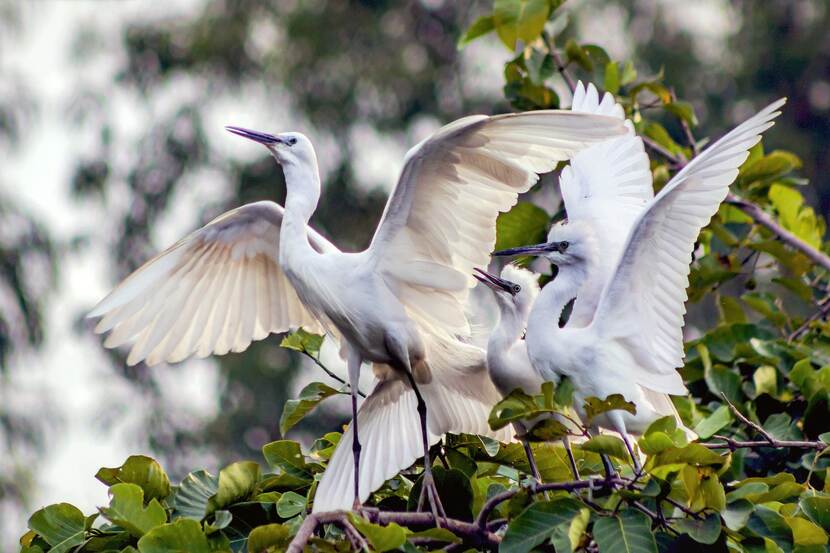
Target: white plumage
(633, 343)
(398, 304)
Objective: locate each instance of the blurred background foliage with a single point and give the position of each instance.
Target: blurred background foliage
(366, 80)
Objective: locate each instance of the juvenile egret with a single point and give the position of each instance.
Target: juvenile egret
(634, 342)
(398, 304)
(507, 360)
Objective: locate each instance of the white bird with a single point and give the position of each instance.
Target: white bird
(507, 359)
(399, 304)
(634, 342)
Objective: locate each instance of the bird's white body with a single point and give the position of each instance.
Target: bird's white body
(398, 305)
(633, 343)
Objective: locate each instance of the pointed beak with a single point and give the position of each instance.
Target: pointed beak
(256, 136)
(492, 281)
(536, 249)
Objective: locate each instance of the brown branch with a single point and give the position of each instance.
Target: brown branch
(557, 59)
(687, 130)
(341, 518)
(824, 309)
(733, 444)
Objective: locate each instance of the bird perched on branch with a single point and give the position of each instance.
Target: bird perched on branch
(633, 342)
(398, 305)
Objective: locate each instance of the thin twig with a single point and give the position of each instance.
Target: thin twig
(687, 130)
(824, 309)
(733, 444)
(767, 436)
(331, 374)
(557, 59)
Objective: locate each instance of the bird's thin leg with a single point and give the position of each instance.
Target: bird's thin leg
(429, 492)
(531, 459)
(619, 425)
(609, 468)
(354, 363)
(567, 443)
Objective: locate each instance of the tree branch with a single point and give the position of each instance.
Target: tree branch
(557, 59)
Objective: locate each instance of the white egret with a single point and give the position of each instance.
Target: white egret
(634, 342)
(507, 359)
(398, 304)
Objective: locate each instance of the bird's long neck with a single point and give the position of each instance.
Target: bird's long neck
(507, 332)
(547, 311)
(303, 185)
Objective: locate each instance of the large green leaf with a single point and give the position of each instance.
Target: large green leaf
(706, 530)
(720, 418)
(480, 27)
(194, 493)
(537, 523)
(519, 20)
(142, 471)
(628, 532)
(295, 409)
(606, 444)
(595, 406)
(287, 456)
(62, 526)
(183, 535)
(769, 524)
(381, 538)
(236, 483)
(818, 509)
(291, 504)
(127, 510)
(303, 341)
(274, 536)
(525, 224)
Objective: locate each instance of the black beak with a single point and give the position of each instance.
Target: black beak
(494, 282)
(536, 249)
(256, 136)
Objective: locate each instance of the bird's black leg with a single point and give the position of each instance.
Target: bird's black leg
(429, 493)
(354, 363)
(571, 458)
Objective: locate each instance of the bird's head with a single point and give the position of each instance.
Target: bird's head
(567, 244)
(516, 289)
(287, 147)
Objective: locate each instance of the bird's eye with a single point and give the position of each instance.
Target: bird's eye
(292, 141)
(563, 246)
(516, 289)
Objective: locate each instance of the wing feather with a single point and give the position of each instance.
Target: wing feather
(453, 186)
(215, 291)
(649, 284)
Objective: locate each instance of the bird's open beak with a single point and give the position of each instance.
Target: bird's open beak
(492, 281)
(256, 136)
(536, 249)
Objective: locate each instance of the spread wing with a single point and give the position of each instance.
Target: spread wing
(214, 291)
(651, 278)
(440, 220)
(607, 184)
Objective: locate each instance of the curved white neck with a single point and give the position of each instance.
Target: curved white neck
(507, 332)
(303, 192)
(547, 311)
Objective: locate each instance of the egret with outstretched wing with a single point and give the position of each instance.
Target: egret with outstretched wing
(634, 342)
(398, 304)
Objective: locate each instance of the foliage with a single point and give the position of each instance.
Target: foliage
(756, 480)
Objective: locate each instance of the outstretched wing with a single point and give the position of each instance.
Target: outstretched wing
(608, 184)
(214, 291)
(644, 302)
(440, 220)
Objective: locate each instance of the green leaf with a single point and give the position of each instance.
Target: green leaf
(539, 65)
(303, 341)
(612, 78)
(183, 535)
(547, 430)
(720, 418)
(805, 533)
(194, 493)
(142, 471)
(772, 166)
(127, 510)
(525, 224)
(480, 27)
(221, 519)
(287, 456)
(381, 538)
(607, 444)
(437, 534)
(629, 73)
(575, 53)
(737, 513)
(269, 537)
(237, 482)
(817, 508)
(693, 454)
(595, 406)
(795, 216)
(721, 380)
(291, 504)
(662, 434)
(537, 523)
(628, 532)
(703, 531)
(296, 409)
(515, 406)
(62, 526)
(519, 20)
(683, 110)
(769, 524)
